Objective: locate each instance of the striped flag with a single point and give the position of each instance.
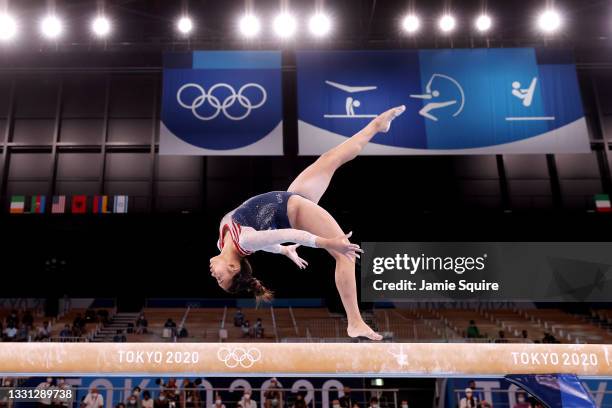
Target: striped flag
(120, 204)
(79, 204)
(59, 205)
(100, 205)
(602, 203)
(17, 204)
(37, 204)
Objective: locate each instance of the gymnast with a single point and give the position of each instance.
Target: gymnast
(266, 221)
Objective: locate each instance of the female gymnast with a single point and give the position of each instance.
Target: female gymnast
(266, 221)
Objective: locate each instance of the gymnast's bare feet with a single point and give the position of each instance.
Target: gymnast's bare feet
(361, 329)
(382, 122)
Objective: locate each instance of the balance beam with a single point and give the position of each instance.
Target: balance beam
(289, 359)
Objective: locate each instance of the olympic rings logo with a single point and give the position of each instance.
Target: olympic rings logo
(221, 106)
(239, 356)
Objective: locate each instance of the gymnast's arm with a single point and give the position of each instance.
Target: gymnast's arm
(270, 240)
(252, 240)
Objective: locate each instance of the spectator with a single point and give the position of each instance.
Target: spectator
(12, 319)
(62, 400)
(78, 325)
(549, 338)
(246, 401)
(273, 395)
(10, 333)
(218, 402)
(28, 319)
(161, 401)
(43, 332)
(259, 330)
(374, 402)
(23, 333)
(238, 318)
(472, 330)
(147, 401)
(485, 404)
(300, 403)
(183, 332)
(404, 404)
(171, 388)
(468, 401)
(119, 338)
(521, 401)
(133, 402)
(345, 400)
(93, 399)
(142, 324)
(335, 403)
(188, 397)
(478, 395)
(525, 337)
(501, 337)
(66, 332)
(246, 329)
(136, 392)
(201, 390)
(47, 385)
(120, 405)
(4, 387)
(169, 330)
(355, 405)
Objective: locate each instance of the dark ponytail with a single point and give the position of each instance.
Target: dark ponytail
(244, 281)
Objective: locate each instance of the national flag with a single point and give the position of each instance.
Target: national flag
(37, 205)
(59, 205)
(100, 205)
(79, 204)
(120, 204)
(17, 204)
(602, 203)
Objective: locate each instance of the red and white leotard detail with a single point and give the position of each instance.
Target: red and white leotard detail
(248, 240)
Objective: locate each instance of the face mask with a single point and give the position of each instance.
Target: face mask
(274, 402)
(247, 396)
(521, 399)
(374, 405)
(404, 405)
(49, 380)
(161, 397)
(336, 406)
(136, 393)
(218, 402)
(132, 402)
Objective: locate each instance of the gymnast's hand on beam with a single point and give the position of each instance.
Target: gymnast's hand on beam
(290, 251)
(342, 245)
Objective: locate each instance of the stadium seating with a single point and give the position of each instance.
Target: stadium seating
(433, 323)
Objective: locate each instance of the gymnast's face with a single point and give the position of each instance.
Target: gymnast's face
(223, 271)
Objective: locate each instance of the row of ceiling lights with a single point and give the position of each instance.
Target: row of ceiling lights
(284, 25)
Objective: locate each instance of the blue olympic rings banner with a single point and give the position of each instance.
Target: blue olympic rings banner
(467, 101)
(222, 103)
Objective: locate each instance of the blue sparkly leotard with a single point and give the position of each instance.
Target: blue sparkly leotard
(261, 223)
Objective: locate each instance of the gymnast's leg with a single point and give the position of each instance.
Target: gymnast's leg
(314, 180)
(313, 218)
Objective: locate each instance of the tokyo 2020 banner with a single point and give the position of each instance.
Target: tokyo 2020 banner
(222, 103)
(471, 101)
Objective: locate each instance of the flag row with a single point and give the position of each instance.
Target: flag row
(61, 204)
